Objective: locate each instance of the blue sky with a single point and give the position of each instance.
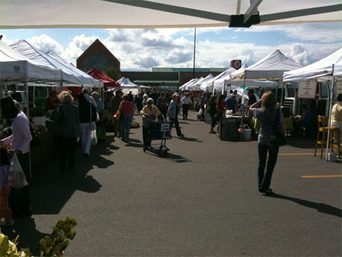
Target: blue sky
(140, 49)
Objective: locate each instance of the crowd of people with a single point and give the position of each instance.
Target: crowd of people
(78, 119)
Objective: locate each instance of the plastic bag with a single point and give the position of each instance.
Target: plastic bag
(16, 173)
(93, 137)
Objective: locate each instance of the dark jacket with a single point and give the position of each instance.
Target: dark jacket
(87, 111)
(67, 118)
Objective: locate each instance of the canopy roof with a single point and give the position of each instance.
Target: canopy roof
(103, 77)
(328, 66)
(86, 79)
(126, 83)
(270, 67)
(218, 81)
(190, 82)
(197, 85)
(15, 66)
(209, 84)
(163, 13)
(28, 50)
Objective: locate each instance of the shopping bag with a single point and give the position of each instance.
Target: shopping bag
(93, 137)
(16, 173)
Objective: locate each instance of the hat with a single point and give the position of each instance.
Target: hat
(150, 100)
(85, 90)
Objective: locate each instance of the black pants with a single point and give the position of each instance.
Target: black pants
(176, 123)
(185, 111)
(67, 154)
(267, 160)
(19, 202)
(146, 137)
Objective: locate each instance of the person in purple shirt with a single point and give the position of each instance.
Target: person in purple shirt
(270, 117)
(18, 142)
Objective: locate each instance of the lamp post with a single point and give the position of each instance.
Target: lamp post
(194, 59)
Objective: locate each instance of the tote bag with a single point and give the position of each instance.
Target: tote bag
(16, 174)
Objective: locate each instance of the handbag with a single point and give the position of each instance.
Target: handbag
(278, 138)
(16, 173)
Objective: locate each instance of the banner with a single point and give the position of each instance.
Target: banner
(307, 89)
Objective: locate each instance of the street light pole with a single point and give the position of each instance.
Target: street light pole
(194, 59)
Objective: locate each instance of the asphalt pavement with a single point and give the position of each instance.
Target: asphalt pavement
(201, 199)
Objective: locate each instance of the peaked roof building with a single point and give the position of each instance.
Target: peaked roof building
(99, 57)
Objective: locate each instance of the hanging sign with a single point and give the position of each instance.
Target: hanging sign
(307, 89)
(236, 64)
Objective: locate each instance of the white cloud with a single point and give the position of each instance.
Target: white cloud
(323, 32)
(143, 49)
(45, 43)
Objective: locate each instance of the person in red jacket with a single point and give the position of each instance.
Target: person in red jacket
(127, 111)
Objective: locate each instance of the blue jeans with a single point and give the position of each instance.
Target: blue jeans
(265, 176)
(85, 131)
(126, 122)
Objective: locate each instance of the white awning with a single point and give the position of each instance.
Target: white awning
(163, 13)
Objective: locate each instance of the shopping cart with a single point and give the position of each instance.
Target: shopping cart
(159, 131)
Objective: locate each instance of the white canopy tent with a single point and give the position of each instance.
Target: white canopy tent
(126, 86)
(163, 13)
(126, 83)
(196, 86)
(28, 50)
(209, 85)
(184, 86)
(15, 66)
(270, 67)
(328, 66)
(219, 81)
(85, 78)
(193, 82)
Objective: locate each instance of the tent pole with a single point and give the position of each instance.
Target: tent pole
(331, 95)
(281, 82)
(28, 115)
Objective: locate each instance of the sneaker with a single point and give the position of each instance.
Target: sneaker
(267, 191)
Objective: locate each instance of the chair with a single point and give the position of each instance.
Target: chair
(322, 135)
(336, 140)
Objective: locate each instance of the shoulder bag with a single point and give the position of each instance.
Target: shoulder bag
(278, 138)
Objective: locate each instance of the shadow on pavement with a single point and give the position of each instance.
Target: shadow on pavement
(50, 190)
(190, 139)
(29, 236)
(301, 142)
(321, 207)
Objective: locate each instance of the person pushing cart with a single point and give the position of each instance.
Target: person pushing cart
(153, 127)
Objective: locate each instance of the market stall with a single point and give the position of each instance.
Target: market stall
(326, 69)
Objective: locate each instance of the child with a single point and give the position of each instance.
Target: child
(6, 218)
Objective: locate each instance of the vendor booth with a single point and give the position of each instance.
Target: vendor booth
(327, 69)
(107, 81)
(126, 85)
